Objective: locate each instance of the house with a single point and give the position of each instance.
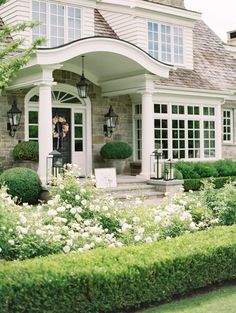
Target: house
(167, 76)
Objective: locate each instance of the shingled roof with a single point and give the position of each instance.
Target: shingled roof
(214, 67)
(102, 28)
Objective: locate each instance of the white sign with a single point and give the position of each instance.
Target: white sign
(105, 177)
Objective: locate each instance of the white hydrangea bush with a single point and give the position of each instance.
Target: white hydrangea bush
(80, 218)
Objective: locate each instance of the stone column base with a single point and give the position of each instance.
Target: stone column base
(168, 187)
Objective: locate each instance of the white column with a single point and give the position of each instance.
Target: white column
(147, 132)
(45, 128)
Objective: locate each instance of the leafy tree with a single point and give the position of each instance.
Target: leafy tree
(12, 55)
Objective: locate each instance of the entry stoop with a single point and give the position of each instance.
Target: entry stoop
(132, 187)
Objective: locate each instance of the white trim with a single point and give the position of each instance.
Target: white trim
(101, 44)
(85, 105)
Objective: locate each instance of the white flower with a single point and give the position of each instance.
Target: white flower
(136, 219)
(85, 235)
(61, 186)
(79, 209)
(84, 201)
(66, 249)
(140, 230)
(137, 238)
(86, 246)
(23, 219)
(125, 227)
(69, 242)
(80, 250)
(73, 210)
(11, 242)
(157, 219)
(87, 222)
(52, 212)
(148, 239)
(0, 250)
(77, 197)
(61, 209)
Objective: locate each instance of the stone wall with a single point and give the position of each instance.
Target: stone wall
(174, 3)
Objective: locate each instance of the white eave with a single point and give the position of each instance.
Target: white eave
(140, 5)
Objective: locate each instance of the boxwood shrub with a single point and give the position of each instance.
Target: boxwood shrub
(119, 279)
(22, 183)
(219, 168)
(116, 150)
(196, 183)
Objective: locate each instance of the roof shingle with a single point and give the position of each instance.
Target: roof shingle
(102, 28)
(214, 67)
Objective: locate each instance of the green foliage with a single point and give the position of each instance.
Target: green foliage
(226, 167)
(192, 184)
(12, 56)
(116, 150)
(22, 183)
(26, 150)
(221, 168)
(187, 169)
(196, 183)
(222, 201)
(114, 280)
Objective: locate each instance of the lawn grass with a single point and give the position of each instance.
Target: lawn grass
(222, 300)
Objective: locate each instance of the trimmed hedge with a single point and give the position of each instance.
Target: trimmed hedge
(22, 183)
(115, 279)
(196, 183)
(221, 168)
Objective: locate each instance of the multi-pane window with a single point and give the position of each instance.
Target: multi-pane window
(33, 125)
(74, 21)
(39, 13)
(227, 125)
(165, 42)
(78, 132)
(209, 139)
(178, 45)
(161, 136)
(58, 23)
(178, 139)
(57, 26)
(193, 139)
(185, 131)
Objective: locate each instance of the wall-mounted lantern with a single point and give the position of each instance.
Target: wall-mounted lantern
(14, 116)
(82, 85)
(110, 122)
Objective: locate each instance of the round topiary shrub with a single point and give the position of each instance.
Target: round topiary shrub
(22, 183)
(116, 150)
(26, 150)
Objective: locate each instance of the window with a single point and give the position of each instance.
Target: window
(227, 125)
(165, 42)
(33, 125)
(59, 23)
(186, 132)
(78, 130)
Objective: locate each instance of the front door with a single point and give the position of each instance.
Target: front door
(62, 132)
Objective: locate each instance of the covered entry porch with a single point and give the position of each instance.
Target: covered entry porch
(116, 70)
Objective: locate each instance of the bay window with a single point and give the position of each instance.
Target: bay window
(181, 131)
(165, 42)
(59, 23)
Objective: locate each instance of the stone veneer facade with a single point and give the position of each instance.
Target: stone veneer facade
(122, 106)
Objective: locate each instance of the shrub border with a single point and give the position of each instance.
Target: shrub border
(196, 183)
(115, 279)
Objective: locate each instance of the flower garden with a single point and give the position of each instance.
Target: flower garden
(133, 245)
